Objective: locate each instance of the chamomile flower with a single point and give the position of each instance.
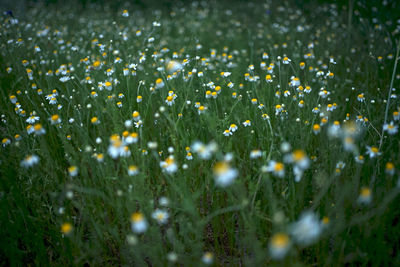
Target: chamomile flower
(246, 123)
(208, 258)
(255, 153)
(307, 229)
(73, 171)
(55, 119)
(391, 128)
(286, 60)
(136, 116)
(373, 151)
(133, 170)
(276, 168)
(161, 216)
(359, 159)
(138, 223)
(224, 174)
(66, 228)
(159, 83)
(316, 128)
(279, 245)
(227, 132)
(365, 196)
(169, 165)
(29, 161)
(38, 129)
(389, 168)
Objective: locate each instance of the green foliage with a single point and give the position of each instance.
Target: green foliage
(312, 178)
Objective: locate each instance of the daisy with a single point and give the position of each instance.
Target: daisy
(208, 258)
(277, 168)
(391, 128)
(373, 151)
(161, 216)
(133, 170)
(279, 245)
(138, 223)
(169, 165)
(29, 161)
(73, 171)
(365, 196)
(247, 123)
(224, 174)
(307, 229)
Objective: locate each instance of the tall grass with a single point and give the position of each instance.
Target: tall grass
(311, 179)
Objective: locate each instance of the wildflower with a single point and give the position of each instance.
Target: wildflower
(265, 116)
(29, 161)
(189, 156)
(268, 78)
(108, 85)
(396, 115)
(201, 109)
(307, 229)
(279, 245)
(125, 13)
(389, 168)
(247, 123)
(359, 159)
(170, 100)
(361, 98)
(256, 153)
(204, 151)
(227, 132)
(161, 216)
(100, 157)
(316, 128)
(94, 120)
(286, 60)
(136, 115)
(38, 129)
(174, 66)
(373, 151)
(131, 138)
(254, 101)
(302, 65)
(391, 128)
(169, 165)
(230, 84)
(301, 103)
(55, 119)
(224, 174)
(277, 168)
(159, 83)
(73, 171)
(133, 170)
(66, 228)
(278, 109)
(32, 119)
(208, 258)
(365, 196)
(138, 223)
(294, 81)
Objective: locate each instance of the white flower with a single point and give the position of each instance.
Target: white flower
(307, 229)
(224, 174)
(138, 223)
(29, 161)
(169, 165)
(161, 216)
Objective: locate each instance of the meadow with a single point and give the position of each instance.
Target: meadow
(200, 133)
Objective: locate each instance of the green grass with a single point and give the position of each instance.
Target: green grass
(352, 206)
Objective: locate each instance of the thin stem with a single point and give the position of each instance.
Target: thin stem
(390, 92)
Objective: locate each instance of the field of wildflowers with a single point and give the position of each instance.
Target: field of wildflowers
(203, 133)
